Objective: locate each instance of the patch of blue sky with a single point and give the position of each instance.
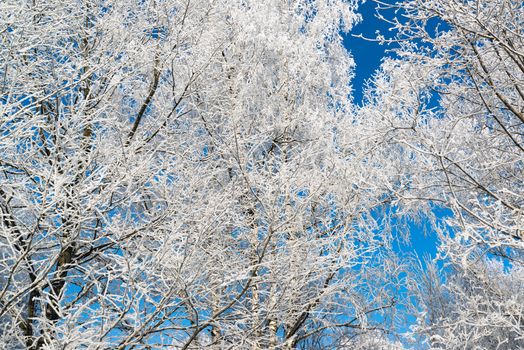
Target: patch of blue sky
(369, 53)
(156, 33)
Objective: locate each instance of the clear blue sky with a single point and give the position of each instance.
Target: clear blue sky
(367, 54)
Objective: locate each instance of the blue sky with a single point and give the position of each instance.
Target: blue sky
(367, 54)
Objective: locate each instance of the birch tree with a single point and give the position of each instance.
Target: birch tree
(172, 175)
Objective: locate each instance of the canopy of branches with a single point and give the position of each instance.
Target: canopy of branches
(196, 175)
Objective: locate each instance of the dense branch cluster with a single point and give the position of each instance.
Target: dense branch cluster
(194, 174)
(171, 177)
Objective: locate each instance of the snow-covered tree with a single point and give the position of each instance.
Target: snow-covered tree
(479, 308)
(174, 174)
(452, 104)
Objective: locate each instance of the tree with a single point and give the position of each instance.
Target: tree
(172, 175)
(452, 106)
(472, 309)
